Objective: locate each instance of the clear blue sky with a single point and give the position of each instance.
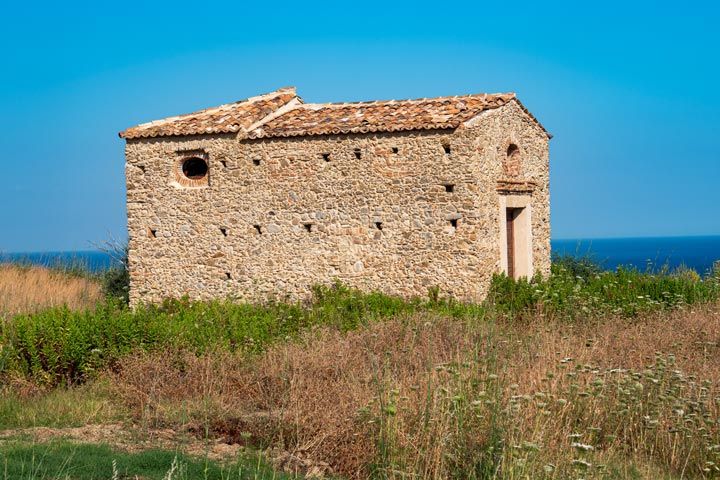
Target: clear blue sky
(629, 89)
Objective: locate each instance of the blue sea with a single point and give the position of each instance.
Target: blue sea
(654, 253)
(91, 260)
(649, 253)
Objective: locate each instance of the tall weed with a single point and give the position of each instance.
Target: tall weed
(429, 397)
(61, 345)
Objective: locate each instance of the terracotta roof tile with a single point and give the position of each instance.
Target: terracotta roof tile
(380, 116)
(282, 114)
(229, 118)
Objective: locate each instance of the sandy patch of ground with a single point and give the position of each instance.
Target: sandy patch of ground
(130, 439)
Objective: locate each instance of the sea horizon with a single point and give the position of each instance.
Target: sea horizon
(634, 237)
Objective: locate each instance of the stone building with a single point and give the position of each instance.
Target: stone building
(266, 197)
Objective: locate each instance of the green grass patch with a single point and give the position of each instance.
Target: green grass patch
(60, 407)
(64, 460)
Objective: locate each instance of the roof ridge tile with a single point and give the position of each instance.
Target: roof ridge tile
(407, 100)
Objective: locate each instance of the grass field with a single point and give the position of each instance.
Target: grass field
(585, 374)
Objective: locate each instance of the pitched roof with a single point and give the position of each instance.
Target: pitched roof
(228, 118)
(283, 114)
(379, 116)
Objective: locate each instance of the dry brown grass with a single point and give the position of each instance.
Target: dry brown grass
(418, 397)
(28, 289)
(307, 396)
(625, 382)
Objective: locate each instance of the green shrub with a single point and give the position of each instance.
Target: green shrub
(61, 346)
(116, 280)
(577, 288)
(584, 267)
(116, 284)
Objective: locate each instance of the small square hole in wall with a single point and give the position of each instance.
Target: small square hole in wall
(395, 149)
(308, 226)
(224, 231)
(223, 163)
(151, 233)
(379, 225)
(256, 162)
(449, 187)
(258, 229)
(228, 276)
(326, 157)
(142, 168)
(446, 148)
(454, 222)
(358, 154)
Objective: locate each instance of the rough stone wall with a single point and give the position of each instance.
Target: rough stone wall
(492, 133)
(383, 221)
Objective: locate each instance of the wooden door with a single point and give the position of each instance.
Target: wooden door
(510, 228)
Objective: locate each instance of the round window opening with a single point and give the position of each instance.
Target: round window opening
(195, 168)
